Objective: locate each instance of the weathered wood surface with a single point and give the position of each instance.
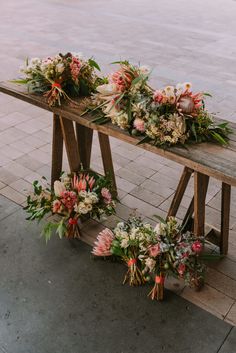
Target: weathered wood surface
(209, 159)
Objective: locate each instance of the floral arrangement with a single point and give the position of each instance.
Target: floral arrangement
(154, 253)
(73, 197)
(60, 77)
(165, 117)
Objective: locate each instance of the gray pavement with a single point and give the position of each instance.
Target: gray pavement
(56, 298)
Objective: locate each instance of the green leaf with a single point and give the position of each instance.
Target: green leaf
(123, 62)
(146, 139)
(160, 219)
(20, 81)
(193, 128)
(218, 138)
(93, 63)
(138, 79)
(101, 120)
(207, 94)
(61, 229)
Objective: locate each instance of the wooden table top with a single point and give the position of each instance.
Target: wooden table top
(208, 158)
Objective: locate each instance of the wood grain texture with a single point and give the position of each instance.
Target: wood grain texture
(184, 179)
(107, 159)
(225, 216)
(200, 190)
(84, 139)
(71, 145)
(210, 159)
(57, 149)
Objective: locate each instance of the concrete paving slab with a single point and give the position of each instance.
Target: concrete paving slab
(56, 298)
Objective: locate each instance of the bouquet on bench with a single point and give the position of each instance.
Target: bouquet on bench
(152, 254)
(61, 77)
(73, 197)
(165, 117)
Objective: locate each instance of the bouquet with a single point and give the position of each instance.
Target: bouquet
(173, 253)
(60, 77)
(154, 253)
(164, 117)
(124, 242)
(73, 197)
(124, 94)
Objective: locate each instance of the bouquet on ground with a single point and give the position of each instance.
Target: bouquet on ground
(73, 197)
(164, 117)
(61, 77)
(124, 94)
(173, 253)
(154, 253)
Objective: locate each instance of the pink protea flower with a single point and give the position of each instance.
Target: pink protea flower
(181, 269)
(154, 250)
(122, 79)
(189, 103)
(197, 247)
(69, 199)
(102, 246)
(106, 195)
(139, 124)
(56, 206)
(75, 67)
(91, 181)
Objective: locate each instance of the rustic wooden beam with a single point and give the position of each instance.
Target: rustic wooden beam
(184, 179)
(107, 159)
(71, 144)
(225, 217)
(200, 190)
(57, 149)
(84, 139)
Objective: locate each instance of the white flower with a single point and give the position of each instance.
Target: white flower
(124, 243)
(133, 233)
(93, 197)
(83, 193)
(160, 229)
(59, 188)
(150, 263)
(60, 68)
(107, 89)
(144, 70)
(81, 208)
(169, 91)
(182, 87)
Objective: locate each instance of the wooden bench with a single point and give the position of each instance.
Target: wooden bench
(203, 160)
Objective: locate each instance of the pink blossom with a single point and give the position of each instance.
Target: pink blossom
(106, 195)
(56, 206)
(75, 67)
(181, 269)
(197, 246)
(158, 96)
(154, 250)
(69, 199)
(102, 246)
(121, 78)
(139, 125)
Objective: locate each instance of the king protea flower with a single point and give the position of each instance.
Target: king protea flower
(189, 103)
(102, 246)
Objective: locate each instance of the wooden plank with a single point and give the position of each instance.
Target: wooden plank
(57, 149)
(225, 216)
(179, 192)
(200, 189)
(84, 138)
(107, 159)
(71, 145)
(195, 157)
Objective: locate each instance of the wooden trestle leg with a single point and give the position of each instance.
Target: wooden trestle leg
(84, 139)
(200, 190)
(225, 217)
(107, 159)
(57, 149)
(187, 172)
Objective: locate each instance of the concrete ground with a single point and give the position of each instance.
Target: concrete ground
(181, 41)
(56, 298)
